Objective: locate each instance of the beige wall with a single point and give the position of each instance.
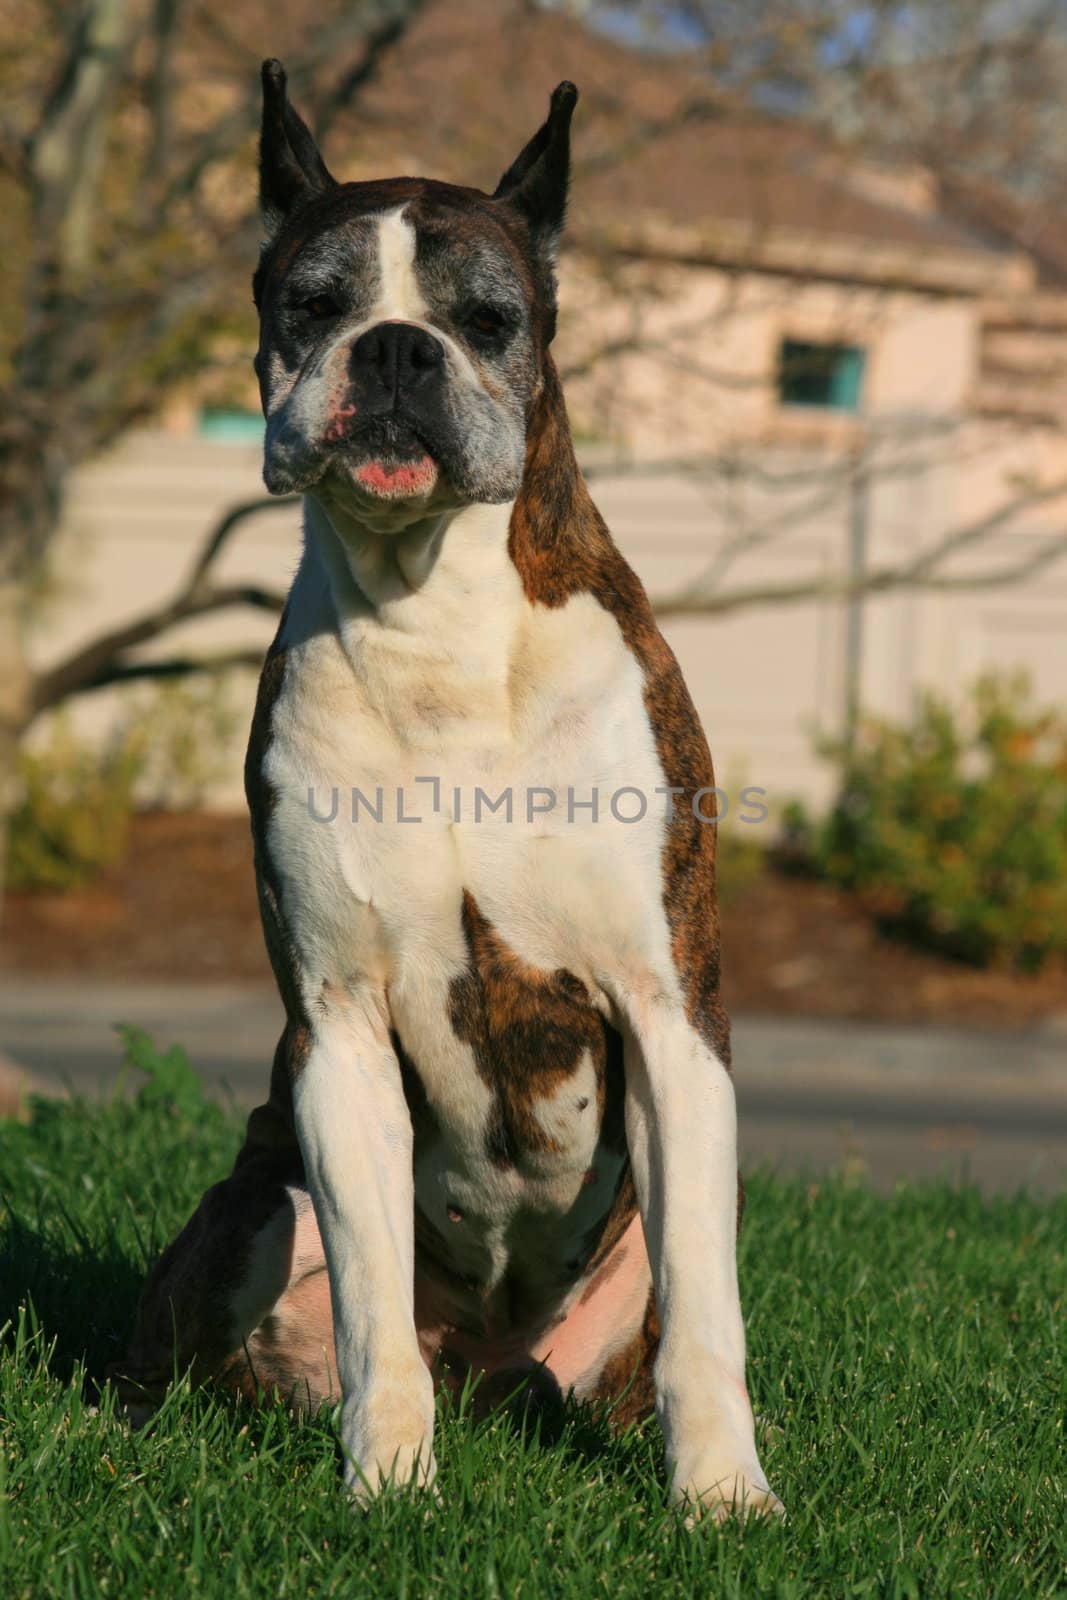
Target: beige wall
(765, 679)
(773, 505)
(699, 372)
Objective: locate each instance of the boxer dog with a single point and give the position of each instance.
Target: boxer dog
(500, 1139)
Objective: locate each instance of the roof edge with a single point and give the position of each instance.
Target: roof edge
(809, 254)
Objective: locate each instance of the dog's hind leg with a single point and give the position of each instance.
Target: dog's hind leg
(241, 1296)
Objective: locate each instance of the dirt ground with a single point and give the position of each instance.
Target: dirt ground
(182, 905)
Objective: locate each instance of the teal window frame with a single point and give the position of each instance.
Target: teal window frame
(230, 425)
(821, 376)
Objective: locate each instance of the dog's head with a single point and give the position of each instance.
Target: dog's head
(403, 323)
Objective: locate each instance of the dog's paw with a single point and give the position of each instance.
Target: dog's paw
(388, 1466)
(387, 1446)
(715, 1490)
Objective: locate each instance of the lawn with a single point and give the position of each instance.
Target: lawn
(908, 1355)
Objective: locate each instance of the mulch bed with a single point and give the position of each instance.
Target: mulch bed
(182, 905)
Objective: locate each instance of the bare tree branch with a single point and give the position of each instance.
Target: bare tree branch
(96, 662)
(974, 532)
(879, 581)
(380, 41)
(120, 673)
(227, 525)
(104, 660)
(14, 153)
(702, 596)
(165, 15)
(66, 148)
(356, 21)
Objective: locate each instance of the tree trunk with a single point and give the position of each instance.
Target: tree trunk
(15, 703)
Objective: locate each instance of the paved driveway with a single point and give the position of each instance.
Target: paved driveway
(891, 1101)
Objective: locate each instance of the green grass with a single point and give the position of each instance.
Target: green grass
(910, 1350)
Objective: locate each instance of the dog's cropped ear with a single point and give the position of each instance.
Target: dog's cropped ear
(536, 182)
(291, 170)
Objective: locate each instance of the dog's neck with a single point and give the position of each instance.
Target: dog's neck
(380, 576)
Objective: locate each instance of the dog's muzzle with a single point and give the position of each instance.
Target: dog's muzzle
(389, 427)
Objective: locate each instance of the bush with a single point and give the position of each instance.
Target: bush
(953, 831)
(76, 798)
(73, 810)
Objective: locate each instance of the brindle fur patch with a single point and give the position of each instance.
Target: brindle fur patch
(528, 1031)
(560, 546)
(262, 801)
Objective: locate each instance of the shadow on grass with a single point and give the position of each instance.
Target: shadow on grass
(83, 1297)
(532, 1411)
(89, 1193)
(91, 1189)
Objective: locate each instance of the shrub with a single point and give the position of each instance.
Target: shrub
(76, 797)
(73, 811)
(953, 830)
(181, 732)
(739, 865)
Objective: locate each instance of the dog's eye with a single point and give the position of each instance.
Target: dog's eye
(320, 307)
(486, 322)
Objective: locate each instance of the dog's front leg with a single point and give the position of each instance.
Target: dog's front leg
(681, 1127)
(355, 1133)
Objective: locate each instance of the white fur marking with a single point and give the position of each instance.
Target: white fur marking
(399, 297)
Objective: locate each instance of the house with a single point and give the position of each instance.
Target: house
(790, 367)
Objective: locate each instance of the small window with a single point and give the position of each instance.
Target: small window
(231, 425)
(827, 375)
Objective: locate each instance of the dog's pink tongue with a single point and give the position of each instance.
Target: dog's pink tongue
(413, 477)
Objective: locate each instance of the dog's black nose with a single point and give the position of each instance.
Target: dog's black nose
(398, 354)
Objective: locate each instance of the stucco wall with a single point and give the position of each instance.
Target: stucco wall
(765, 678)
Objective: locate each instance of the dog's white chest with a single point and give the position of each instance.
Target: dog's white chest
(478, 846)
(512, 759)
